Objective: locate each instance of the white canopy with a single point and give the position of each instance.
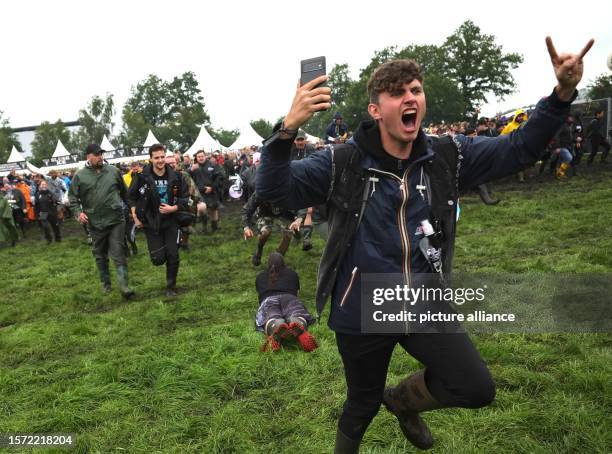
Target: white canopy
(312, 139)
(203, 142)
(150, 140)
(62, 167)
(60, 150)
(106, 145)
(15, 156)
(247, 137)
(128, 159)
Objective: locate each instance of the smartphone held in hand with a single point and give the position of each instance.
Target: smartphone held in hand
(311, 69)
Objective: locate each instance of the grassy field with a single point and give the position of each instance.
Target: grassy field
(151, 375)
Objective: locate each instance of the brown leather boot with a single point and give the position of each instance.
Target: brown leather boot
(406, 401)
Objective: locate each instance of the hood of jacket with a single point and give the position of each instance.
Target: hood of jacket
(367, 138)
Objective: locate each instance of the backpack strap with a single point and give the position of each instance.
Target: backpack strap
(342, 156)
(349, 188)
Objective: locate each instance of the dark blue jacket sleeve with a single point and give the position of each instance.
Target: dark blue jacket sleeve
(292, 184)
(490, 158)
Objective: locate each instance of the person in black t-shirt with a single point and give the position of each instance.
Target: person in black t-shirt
(281, 315)
(155, 196)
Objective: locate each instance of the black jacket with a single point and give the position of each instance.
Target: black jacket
(565, 137)
(144, 196)
(365, 230)
(208, 174)
(16, 199)
(45, 202)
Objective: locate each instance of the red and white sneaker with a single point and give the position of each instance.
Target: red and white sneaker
(307, 341)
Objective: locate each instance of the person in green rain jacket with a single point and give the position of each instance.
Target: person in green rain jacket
(97, 196)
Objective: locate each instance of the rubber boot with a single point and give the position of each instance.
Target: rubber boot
(261, 242)
(285, 242)
(184, 240)
(409, 398)
(104, 277)
(122, 277)
(171, 273)
(486, 198)
(205, 224)
(346, 445)
(215, 226)
(561, 173)
(307, 244)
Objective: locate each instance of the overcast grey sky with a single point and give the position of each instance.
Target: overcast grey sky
(246, 54)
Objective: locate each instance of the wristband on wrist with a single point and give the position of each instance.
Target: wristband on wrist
(285, 130)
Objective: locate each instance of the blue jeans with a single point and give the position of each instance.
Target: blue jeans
(565, 155)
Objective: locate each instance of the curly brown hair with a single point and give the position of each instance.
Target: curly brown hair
(391, 76)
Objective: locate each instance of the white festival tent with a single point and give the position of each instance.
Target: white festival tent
(60, 150)
(59, 168)
(247, 137)
(16, 156)
(312, 139)
(203, 142)
(150, 140)
(106, 145)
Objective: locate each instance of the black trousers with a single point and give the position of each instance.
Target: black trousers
(595, 144)
(456, 375)
(163, 248)
(48, 225)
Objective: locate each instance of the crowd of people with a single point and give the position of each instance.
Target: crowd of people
(357, 189)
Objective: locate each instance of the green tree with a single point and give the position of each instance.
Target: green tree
(225, 136)
(478, 65)
(174, 110)
(340, 83)
(444, 99)
(96, 120)
(601, 87)
(7, 139)
(45, 140)
(262, 127)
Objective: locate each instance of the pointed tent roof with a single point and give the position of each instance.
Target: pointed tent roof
(204, 141)
(106, 145)
(311, 139)
(15, 156)
(150, 140)
(60, 150)
(247, 137)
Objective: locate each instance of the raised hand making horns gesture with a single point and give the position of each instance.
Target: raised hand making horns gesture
(568, 68)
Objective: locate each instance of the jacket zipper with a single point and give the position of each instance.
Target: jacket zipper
(349, 287)
(403, 228)
(401, 221)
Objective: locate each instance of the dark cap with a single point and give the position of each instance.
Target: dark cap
(93, 148)
(337, 116)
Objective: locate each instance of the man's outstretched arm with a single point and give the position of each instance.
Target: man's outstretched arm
(487, 159)
(296, 184)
